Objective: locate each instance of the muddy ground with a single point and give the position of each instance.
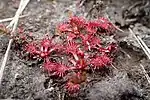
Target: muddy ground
(124, 81)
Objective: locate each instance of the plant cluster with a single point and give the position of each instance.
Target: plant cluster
(81, 45)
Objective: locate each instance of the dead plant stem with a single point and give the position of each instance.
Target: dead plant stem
(13, 25)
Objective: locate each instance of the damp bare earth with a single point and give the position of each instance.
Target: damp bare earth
(125, 80)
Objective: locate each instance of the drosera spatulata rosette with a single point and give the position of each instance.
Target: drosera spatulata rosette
(81, 43)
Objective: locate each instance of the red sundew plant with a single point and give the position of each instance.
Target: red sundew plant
(100, 61)
(82, 46)
(56, 69)
(72, 87)
(73, 84)
(72, 48)
(105, 24)
(32, 49)
(50, 66)
(43, 50)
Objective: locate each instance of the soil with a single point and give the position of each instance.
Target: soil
(126, 80)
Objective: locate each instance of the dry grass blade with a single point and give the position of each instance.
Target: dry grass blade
(145, 49)
(142, 44)
(145, 73)
(10, 19)
(13, 24)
